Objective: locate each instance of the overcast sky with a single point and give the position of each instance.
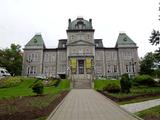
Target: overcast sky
(20, 20)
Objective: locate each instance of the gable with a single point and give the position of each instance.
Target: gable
(81, 42)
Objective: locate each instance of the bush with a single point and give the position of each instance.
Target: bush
(38, 88)
(10, 82)
(52, 82)
(145, 80)
(112, 88)
(125, 83)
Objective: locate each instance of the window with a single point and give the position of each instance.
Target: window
(109, 68)
(127, 70)
(133, 68)
(88, 37)
(63, 45)
(72, 37)
(96, 44)
(87, 50)
(33, 70)
(46, 58)
(115, 68)
(80, 51)
(36, 57)
(46, 70)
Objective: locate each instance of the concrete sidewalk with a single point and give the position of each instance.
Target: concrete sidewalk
(136, 107)
(87, 104)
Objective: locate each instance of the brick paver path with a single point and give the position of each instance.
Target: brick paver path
(87, 104)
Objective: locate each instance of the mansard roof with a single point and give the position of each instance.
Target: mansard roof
(80, 24)
(35, 43)
(124, 41)
(98, 43)
(62, 43)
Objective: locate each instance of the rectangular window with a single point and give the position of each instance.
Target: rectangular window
(115, 68)
(127, 68)
(46, 58)
(109, 69)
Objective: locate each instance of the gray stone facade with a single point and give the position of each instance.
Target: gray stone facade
(81, 56)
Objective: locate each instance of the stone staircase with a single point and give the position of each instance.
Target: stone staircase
(82, 84)
(81, 81)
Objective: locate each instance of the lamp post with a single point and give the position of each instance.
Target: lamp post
(132, 65)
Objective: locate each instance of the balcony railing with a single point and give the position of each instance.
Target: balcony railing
(81, 54)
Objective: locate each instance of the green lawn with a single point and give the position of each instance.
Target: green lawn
(99, 84)
(138, 100)
(24, 89)
(154, 112)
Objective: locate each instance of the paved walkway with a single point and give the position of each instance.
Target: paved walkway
(87, 104)
(136, 107)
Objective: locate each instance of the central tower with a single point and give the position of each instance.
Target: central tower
(80, 52)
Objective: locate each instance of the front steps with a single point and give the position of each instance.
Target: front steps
(81, 84)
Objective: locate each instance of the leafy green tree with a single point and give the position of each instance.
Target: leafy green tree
(125, 83)
(155, 36)
(11, 59)
(147, 63)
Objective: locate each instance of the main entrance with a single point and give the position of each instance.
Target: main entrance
(81, 66)
(80, 76)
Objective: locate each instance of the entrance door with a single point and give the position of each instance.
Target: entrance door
(81, 66)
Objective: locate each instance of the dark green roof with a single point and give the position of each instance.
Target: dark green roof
(124, 41)
(76, 24)
(36, 42)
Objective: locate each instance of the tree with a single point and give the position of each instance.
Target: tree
(155, 36)
(125, 83)
(147, 63)
(11, 59)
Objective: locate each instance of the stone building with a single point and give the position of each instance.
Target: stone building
(81, 57)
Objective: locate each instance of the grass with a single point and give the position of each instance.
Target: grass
(137, 91)
(41, 118)
(138, 100)
(12, 101)
(99, 84)
(64, 84)
(154, 111)
(24, 89)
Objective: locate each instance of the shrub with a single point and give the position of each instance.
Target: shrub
(38, 88)
(112, 88)
(10, 82)
(52, 82)
(57, 82)
(125, 83)
(145, 80)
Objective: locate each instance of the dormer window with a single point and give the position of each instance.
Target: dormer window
(97, 45)
(35, 41)
(63, 45)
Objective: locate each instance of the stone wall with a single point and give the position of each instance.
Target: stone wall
(32, 62)
(49, 63)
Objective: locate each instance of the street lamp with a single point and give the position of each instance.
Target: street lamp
(132, 66)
